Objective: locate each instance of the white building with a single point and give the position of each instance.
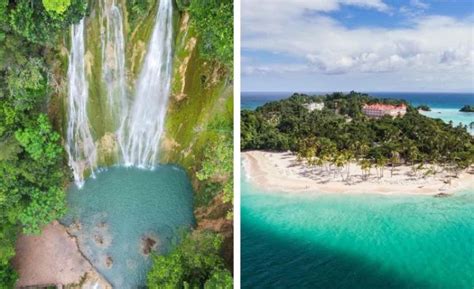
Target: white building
(378, 110)
(315, 106)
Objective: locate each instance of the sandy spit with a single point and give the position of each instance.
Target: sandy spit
(281, 172)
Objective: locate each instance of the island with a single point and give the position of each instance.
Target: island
(467, 108)
(355, 144)
(423, 107)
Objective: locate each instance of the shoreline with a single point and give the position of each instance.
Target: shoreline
(280, 172)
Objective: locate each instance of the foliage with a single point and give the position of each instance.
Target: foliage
(3, 13)
(467, 108)
(31, 158)
(217, 166)
(137, 10)
(31, 20)
(193, 263)
(27, 84)
(44, 207)
(56, 7)
(40, 141)
(182, 4)
(423, 107)
(213, 20)
(341, 125)
(220, 279)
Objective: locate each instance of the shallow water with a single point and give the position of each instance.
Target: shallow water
(454, 115)
(120, 207)
(356, 241)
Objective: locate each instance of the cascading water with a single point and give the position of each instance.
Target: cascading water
(141, 129)
(139, 126)
(80, 145)
(113, 60)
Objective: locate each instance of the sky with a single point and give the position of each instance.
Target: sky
(362, 45)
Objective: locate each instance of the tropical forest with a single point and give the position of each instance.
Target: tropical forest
(116, 144)
(340, 133)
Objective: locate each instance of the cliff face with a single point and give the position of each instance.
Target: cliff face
(201, 90)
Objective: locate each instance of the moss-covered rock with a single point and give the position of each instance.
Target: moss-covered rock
(201, 92)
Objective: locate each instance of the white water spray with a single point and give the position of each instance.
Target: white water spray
(140, 133)
(80, 145)
(139, 126)
(113, 60)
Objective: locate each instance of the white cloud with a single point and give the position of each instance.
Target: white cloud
(419, 4)
(423, 45)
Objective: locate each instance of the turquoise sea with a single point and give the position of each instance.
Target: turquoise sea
(365, 241)
(356, 241)
(121, 207)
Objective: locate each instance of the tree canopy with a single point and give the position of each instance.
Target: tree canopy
(342, 130)
(31, 155)
(214, 21)
(195, 263)
(467, 108)
(56, 6)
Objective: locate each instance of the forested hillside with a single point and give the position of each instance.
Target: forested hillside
(32, 160)
(341, 133)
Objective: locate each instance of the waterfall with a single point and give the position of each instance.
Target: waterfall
(80, 145)
(141, 129)
(113, 60)
(138, 126)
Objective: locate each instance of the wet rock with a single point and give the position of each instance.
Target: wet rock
(442, 195)
(148, 244)
(109, 262)
(99, 240)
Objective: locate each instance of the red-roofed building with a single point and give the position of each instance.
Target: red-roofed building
(378, 110)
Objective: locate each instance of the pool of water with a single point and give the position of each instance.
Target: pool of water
(122, 212)
(356, 241)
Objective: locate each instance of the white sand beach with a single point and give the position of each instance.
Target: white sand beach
(281, 172)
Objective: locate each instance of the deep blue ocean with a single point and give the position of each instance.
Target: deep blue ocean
(359, 241)
(250, 100)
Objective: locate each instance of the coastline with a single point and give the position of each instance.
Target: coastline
(280, 172)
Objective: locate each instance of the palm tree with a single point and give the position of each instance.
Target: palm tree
(339, 160)
(365, 165)
(380, 163)
(349, 156)
(395, 159)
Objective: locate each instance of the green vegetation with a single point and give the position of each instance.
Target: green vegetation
(423, 107)
(31, 156)
(199, 137)
(214, 23)
(216, 172)
(182, 4)
(137, 10)
(341, 133)
(467, 108)
(195, 263)
(31, 20)
(57, 7)
(200, 121)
